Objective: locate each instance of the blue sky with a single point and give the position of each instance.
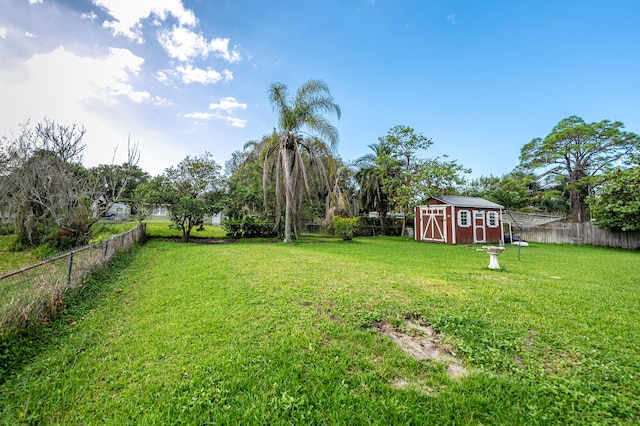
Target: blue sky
(480, 78)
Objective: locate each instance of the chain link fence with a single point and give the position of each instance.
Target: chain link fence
(32, 294)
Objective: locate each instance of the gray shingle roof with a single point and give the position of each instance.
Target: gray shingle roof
(475, 202)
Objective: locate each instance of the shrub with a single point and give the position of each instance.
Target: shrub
(344, 227)
(248, 227)
(7, 229)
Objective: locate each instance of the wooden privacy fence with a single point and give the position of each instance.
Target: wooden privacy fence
(31, 294)
(579, 233)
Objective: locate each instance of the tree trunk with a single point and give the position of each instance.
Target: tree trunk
(287, 161)
(578, 207)
(404, 221)
(579, 190)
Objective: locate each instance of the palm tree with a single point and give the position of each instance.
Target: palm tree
(374, 167)
(302, 127)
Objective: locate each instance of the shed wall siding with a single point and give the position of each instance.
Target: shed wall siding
(456, 234)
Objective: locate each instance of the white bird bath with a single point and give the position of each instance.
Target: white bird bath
(494, 252)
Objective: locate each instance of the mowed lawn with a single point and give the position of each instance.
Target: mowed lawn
(163, 229)
(264, 333)
(14, 260)
(10, 260)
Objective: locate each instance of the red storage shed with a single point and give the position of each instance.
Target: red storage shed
(459, 220)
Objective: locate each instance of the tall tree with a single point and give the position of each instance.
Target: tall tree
(373, 168)
(411, 178)
(192, 189)
(244, 184)
(47, 184)
(46, 190)
(405, 145)
(580, 152)
(302, 127)
(514, 190)
(341, 196)
(114, 183)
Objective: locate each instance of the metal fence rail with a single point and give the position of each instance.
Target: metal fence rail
(32, 294)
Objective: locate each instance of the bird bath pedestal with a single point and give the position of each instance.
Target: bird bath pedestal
(494, 252)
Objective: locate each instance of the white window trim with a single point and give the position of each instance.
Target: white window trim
(495, 217)
(468, 218)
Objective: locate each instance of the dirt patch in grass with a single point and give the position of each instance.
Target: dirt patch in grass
(418, 386)
(327, 312)
(422, 342)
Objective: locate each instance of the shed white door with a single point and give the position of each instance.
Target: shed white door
(479, 227)
(434, 224)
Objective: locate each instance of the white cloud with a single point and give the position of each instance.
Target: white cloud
(159, 101)
(225, 106)
(61, 82)
(232, 121)
(236, 122)
(90, 16)
(36, 1)
(220, 48)
(228, 104)
(452, 18)
(3, 33)
(184, 45)
(190, 74)
(162, 77)
(128, 15)
(112, 74)
(97, 92)
(200, 115)
(30, 35)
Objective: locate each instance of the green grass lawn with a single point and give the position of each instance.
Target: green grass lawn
(106, 229)
(259, 333)
(13, 260)
(160, 228)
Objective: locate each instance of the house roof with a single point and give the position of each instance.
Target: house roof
(475, 202)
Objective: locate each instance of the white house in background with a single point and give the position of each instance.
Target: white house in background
(118, 211)
(164, 212)
(159, 211)
(216, 219)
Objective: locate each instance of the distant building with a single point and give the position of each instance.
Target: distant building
(216, 219)
(160, 211)
(119, 211)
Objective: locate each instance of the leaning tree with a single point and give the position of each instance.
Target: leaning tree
(303, 128)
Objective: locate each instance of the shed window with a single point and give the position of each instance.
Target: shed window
(492, 219)
(464, 218)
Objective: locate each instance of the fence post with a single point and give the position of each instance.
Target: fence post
(106, 248)
(70, 270)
